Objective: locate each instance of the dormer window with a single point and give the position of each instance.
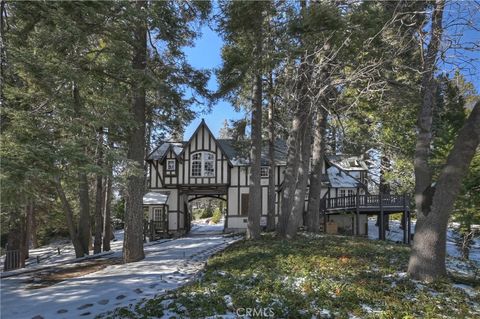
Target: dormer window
(203, 164)
(171, 164)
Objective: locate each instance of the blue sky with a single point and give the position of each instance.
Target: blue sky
(206, 55)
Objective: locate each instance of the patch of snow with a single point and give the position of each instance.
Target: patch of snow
(325, 313)
(399, 275)
(228, 315)
(469, 290)
(166, 303)
(369, 309)
(202, 226)
(454, 263)
(49, 256)
(228, 301)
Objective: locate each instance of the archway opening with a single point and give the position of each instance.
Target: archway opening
(207, 213)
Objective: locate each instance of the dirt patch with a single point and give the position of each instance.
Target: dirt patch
(51, 277)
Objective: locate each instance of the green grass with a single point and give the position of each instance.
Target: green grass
(297, 279)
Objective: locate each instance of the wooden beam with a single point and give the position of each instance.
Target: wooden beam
(381, 225)
(409, 230)
(357, 213)
(404, 220)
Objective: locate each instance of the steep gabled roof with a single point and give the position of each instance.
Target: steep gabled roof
(162, 150)
(338, 174)
(239, 154)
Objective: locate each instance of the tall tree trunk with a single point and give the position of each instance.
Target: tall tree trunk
(133, 242)
(294, 142)
(107, 218)
(3, 59)
(291, 171)
(97, 243)
(318, 160)
(384, 188)
(423, 173)
(427, 259)
(255, 191)
(77, 244)
(34, 227)
(28, 226)
(271, 157)
(299, 150)
(302, 177)
(84, 230)
(148, 139)
(84, 219)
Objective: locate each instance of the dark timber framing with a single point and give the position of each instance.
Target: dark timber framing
(229, 185)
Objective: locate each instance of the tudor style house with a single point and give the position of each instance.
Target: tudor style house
(204, 166)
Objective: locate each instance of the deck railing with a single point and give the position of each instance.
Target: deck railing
(13, 260)
(154, 229)
(364, 201)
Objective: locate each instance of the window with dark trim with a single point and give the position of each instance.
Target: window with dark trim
(244, 205)
(171, 164)
(203, 164)
(264, 171)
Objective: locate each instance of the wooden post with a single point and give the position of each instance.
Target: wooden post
(145, 231)
(152, 230)
(381, 224)
(357, 215)
(323, 210)
(404, 220)
(409, 232)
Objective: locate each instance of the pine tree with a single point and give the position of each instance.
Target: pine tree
(242, 25)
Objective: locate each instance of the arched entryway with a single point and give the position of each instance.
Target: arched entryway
(203, 210)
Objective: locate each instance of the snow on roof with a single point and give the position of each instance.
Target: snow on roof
(155, 198)
(338, 178)
(348, 162)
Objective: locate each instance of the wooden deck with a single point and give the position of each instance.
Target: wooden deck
(380, 205)
(365, 203)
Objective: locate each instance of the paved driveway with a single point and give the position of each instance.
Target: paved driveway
(168, 265)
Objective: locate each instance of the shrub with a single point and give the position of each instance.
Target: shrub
(206, 213)
(217, 215)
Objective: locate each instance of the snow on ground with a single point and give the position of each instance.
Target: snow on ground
(204, 225)
(168, 265)
(49, 256)
(454, 262)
